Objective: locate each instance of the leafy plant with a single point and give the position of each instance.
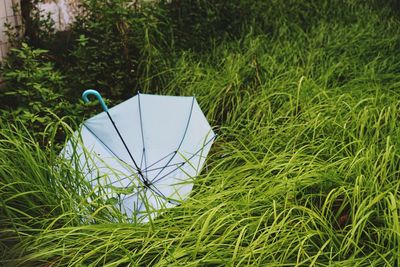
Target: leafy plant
(34, 89)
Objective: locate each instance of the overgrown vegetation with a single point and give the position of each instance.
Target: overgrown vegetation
(303, 94)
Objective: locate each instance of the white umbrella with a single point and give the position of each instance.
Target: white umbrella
(143, 152)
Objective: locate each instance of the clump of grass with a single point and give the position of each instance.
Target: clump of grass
(305, 170)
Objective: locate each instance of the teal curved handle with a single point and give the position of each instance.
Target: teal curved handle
(96, 94)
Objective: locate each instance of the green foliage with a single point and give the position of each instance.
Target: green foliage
(33, 90)
(38, 27)
(34, 79)
(122, 47)
(305, 171)
(108, 25)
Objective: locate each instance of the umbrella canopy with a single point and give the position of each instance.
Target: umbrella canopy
(143, 152)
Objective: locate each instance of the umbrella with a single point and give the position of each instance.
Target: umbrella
(142, 153)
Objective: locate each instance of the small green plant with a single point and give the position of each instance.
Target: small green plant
(33, 90)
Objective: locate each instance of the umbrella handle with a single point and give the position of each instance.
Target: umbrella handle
(97, 95)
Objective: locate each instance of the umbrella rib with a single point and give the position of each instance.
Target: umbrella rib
(183, 163)
(120, 180)
(127, 149)
(151, 165)
(159, 194)
(141, 161)
(141, 130)
(152, 169)
(143, 158)
(155, 190)
(180, 143)
(147, 169)
(166, 166)
(112, 152)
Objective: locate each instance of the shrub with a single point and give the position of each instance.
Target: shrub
(34, 90)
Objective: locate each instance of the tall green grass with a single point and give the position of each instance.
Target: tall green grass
(305, 171)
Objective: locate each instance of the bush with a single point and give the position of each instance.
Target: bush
(34, 90)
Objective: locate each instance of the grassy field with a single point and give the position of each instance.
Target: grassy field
(305, 171)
